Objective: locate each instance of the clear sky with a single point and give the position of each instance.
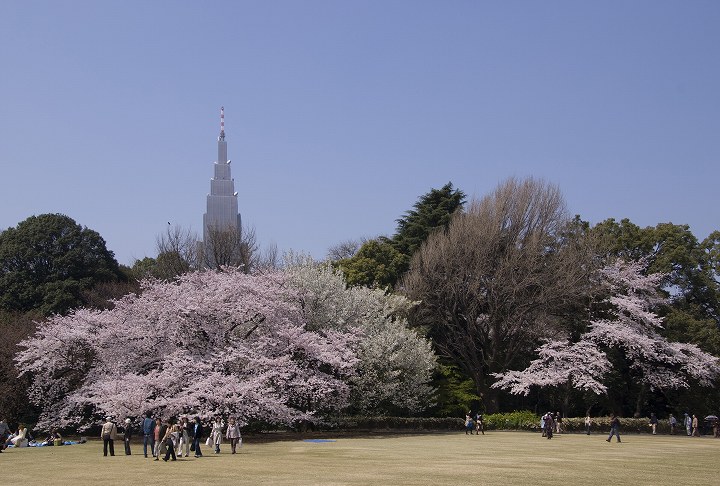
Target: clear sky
(340, 114)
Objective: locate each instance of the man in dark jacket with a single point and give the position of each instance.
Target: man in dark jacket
(148, 427)
(197, 436)
(614, 428)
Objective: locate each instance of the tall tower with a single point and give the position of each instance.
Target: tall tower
(222, 217)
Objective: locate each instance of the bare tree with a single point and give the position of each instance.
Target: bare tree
(270, 258)
(498, 279)
(345, 249)
(177, 252)
(230, 247)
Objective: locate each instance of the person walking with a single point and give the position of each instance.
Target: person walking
(469, 426)
(558, 422)
(148, 428)
(479, 424)
(695, 427)
(108, 434)
(168, 441)
(197, 436)
(184, 437)
(217, 433)
(688, 424)
(127, 435)
(653, 423)
(160, 430)
(549, 424)
(673, 423)
(614, 428)
(588, 423)
(233, 434)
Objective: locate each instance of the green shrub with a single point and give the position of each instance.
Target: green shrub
(395, 423)
(520, 420)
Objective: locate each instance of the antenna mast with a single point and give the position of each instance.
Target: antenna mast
(222, 123)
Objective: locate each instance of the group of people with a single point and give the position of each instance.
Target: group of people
(22, 437)
(691, 424)
(551, 423)
(16, 439)
(173, 438)
(477, 424)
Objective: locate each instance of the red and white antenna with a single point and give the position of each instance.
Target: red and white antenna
(222, 121)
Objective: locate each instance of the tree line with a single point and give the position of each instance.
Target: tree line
(522, 305)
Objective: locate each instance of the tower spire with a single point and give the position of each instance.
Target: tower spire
(222, 123)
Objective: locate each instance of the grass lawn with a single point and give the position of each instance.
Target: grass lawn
(497, 458)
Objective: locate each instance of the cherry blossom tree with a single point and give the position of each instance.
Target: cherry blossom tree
(395, 363)
(631, 328)
(209, 342)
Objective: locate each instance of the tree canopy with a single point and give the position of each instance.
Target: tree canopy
(382, 261)
(623, 335)
(279, 347)
(497, 280)
(47, 261)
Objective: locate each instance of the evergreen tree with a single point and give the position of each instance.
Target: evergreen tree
(382, 261)
(47, 261)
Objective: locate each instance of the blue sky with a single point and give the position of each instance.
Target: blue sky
(340, 114)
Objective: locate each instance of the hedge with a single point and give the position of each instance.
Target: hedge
(519, 420)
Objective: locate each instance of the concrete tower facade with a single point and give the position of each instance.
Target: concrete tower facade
(222, 214)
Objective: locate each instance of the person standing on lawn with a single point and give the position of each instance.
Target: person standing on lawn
(588, 423)
(233, 434)
(168, 441)
(653, 423)
(197, 436)
(695, 426)
(148, 428)
(108, 434)
(127, 435)
(614, 428)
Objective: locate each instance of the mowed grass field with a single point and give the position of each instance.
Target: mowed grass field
(497, 458)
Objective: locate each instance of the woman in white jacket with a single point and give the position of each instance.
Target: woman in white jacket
(217, 433)
(183, 437)
(20, 439)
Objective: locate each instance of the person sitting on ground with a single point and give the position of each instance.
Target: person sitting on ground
(19, 439)
(53, 439)
(4, 434)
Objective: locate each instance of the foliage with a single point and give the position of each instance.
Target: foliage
(47, 261)
(377, 423)
(395, 364)
(456, 393)
(690, 268)
(382, 261)
(630, 328)
(518, 420)
(14, 327)
(376, 264)
(500, 278)
(210, 342)
(432, 211)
